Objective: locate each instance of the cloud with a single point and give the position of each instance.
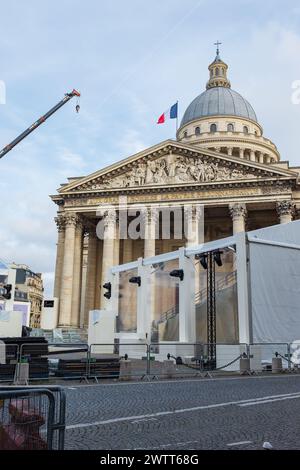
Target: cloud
(131, 142)
(48, 281)
(130, 61)
(71, 162)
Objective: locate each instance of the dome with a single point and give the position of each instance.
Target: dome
(218, 101)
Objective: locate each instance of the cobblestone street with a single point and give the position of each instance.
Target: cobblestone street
(231, 413)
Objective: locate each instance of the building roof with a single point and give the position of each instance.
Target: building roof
(218, 101)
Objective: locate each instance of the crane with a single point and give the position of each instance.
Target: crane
(68, 97)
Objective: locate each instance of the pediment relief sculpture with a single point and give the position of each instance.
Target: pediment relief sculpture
(173, 170)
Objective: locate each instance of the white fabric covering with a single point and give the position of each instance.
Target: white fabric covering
(275, 287)
(285, 233)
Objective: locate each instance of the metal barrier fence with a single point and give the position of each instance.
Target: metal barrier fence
(67, 361)
(121, 361)
(192, 359)
(32, 418)
(9, 361)
(128, 360)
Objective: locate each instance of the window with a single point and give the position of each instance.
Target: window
(213, 128)
(217, 72)
(230, 128)
(197, 131)
(185, 134)
(246, 130)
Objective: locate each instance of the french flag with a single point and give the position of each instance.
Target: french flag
(171, 113)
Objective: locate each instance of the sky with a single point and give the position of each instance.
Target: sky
(130, 60)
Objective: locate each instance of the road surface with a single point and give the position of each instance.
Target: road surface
(222, 413)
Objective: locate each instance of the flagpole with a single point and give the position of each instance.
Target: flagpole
(176, 120)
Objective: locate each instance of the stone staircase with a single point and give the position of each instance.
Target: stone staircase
(62, 335)
(200, 297)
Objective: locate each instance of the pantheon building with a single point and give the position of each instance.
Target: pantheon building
(220, 159)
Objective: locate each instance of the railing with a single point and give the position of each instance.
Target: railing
(223, 283)
(32, 418)
(226, 281)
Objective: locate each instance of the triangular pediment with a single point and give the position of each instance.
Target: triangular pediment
(173, 163)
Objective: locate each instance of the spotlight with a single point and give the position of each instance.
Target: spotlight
(177, 273)
(135, 280)
(217, 257)
(203, 260)
(107, 286)
(160, 265)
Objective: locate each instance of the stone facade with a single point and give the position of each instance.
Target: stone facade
(238, 178)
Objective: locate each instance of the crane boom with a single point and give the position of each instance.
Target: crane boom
(40, 121)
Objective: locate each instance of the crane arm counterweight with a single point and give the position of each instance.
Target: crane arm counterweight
(40, 121)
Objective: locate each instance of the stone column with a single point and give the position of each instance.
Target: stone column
(260, 157)
(229, 151)
(77, 275)
(108, 249)
(252, 156)
(241, 151)
(238, 213)
(117, 244)
(127, 250)
(67, 271)
(192, 239)
(98, 282)
(192, 232)
(90, 273)
(285, 211)
(150, 218)
(83, 275)
(60, 222)
(268, 158)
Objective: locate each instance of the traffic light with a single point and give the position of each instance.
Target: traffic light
(107, 286)
(7, 293)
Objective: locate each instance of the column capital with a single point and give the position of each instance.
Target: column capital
(238, 210)
(286, 207)
(110, 218)
(71, 219)
(192, 213)
(60, 222)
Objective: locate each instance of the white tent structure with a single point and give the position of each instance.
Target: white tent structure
(256, 292)
(274, 283)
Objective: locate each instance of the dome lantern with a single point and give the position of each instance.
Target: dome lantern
(218, 72)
